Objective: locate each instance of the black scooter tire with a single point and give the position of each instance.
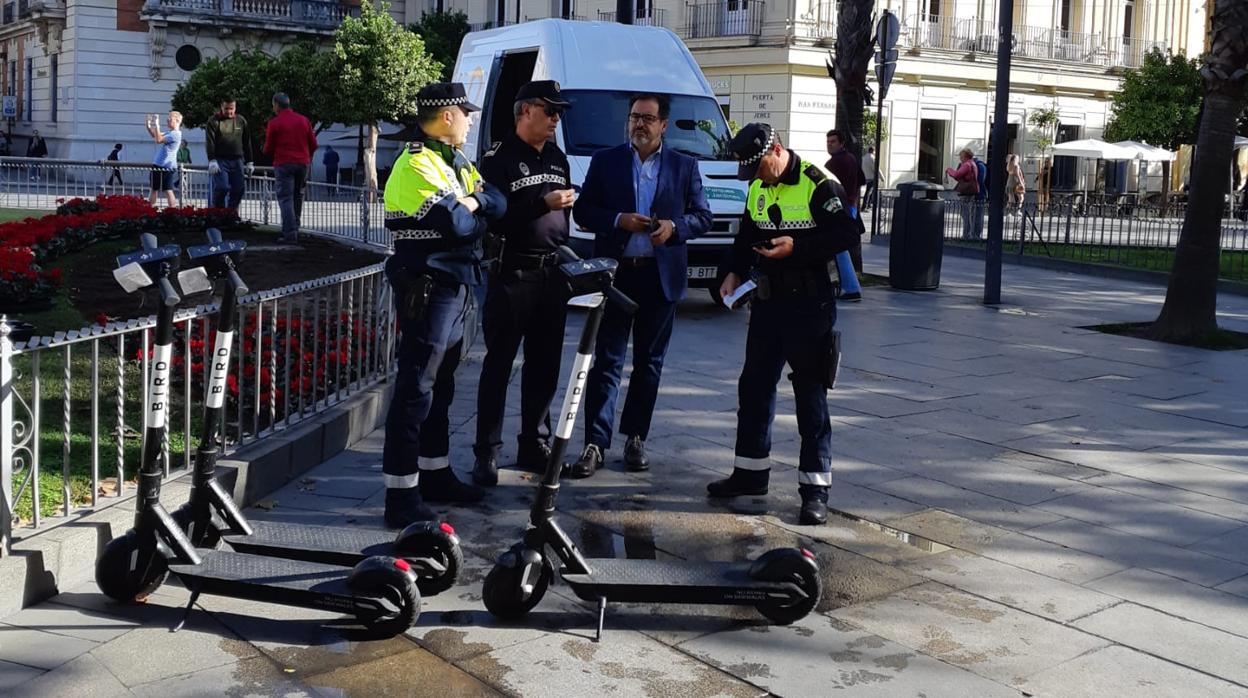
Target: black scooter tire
(399, 589)
(114, 577)
(439, 546)
(503, 596)
(806, 576)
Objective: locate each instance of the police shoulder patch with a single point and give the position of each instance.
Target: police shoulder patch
(415, 146)
(493, 149)
(833, 204)
(815, 174)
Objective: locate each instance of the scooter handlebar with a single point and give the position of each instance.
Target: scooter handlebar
(613, 294)
(168, 296)
(236, 281)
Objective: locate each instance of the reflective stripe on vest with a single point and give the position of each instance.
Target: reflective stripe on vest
(793, 200)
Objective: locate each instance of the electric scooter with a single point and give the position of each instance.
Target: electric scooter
(380, 591)
(783, 584)
(431, 548)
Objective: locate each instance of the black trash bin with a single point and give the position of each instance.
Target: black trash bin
(917, 239)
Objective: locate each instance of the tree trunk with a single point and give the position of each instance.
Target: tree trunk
(854, 40)
(370, 160)
(1190, 311)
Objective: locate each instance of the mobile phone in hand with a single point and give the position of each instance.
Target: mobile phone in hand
(764, 245)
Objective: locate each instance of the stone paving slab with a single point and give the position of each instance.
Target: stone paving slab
(39, 649)
(1237, 586)
(71, 622)
(249, 677)
(973, 505)
(1147, 518)
(1184, 487)
(1133, 551)
(11, 675)
(1180, 641)
(1117, 672)
(1210, 607)
(1232, 545)
(987, 638)
(415, 672)
(819, 656)
(152, 653)
(85, 677)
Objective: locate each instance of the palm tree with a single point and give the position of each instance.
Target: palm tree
(1189, 312)
(852, 54)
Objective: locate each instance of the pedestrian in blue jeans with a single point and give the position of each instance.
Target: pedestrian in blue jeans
(290, 141)
(227, 143)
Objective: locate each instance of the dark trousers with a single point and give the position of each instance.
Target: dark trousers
(867, 201)
(528, 305)
(116, 175)
(289, 179)
(227, 183)
(418, 423)
(651, 330)
(788, 330)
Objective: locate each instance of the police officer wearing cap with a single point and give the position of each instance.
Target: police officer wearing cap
(526, 298)
(438, 209)
(796, 221)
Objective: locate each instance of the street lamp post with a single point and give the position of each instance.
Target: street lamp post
(996, 164)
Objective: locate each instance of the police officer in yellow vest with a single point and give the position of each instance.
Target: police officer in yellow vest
(796, 221)
(438, 209)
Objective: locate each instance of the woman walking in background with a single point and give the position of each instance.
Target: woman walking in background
(966, 184)
(1014, 186)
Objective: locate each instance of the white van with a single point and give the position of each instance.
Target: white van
(598, 66)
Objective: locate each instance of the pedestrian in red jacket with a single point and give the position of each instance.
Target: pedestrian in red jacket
(290, 142)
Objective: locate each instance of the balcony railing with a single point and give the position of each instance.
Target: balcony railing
(819, 24)
(16, 11)
(723, 18)
(312, 13)
(653, 17)
(1039, 43)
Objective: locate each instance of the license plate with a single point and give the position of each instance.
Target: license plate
(703, 272)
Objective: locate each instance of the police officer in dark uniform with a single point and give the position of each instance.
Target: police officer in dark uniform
(526, 297)
(438, 209)
(796, 221)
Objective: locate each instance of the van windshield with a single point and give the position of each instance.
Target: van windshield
(597, 120)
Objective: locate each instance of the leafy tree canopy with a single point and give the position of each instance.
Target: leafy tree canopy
(1159, 102)
(442, 33)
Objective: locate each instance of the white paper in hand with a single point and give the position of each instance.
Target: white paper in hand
(731, 299)
(132, 277)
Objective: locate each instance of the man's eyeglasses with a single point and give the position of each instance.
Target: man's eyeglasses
(553, 111)
(647, 119)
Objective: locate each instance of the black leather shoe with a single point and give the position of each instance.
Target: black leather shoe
(532, 457)
(589, 462)
(485, 471)
(734, 486)
(404, 507)
(441, 485)
(635, 454)
(814, 513)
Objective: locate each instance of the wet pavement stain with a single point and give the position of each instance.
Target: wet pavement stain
(940, 644)
(750, 670)
(331, 656)
(581, 650)
(849, 679)
(896, 662)
(963, 607)
(452, 644)
(845, 656)
(914, 540)
(707, 682)
(870, 641)
(411, 673)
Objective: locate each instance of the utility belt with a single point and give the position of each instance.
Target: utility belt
(518, 261)
(412, 289)
(793, 283)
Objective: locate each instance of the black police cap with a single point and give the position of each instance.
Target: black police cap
(547, 90)
(445, 94)
(749, 146)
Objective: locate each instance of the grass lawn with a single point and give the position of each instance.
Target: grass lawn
(1234, 263)
(17, 214)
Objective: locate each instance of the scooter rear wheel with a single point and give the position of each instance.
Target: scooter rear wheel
(115, 578)
(795, 569)
(504, 593)
(431, 541)
(395, 588)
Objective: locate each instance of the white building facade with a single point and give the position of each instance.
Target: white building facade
(84, 72)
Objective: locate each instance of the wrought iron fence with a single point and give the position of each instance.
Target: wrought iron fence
(818, 23)
(345, 213)
(723, 18)
(71, 404)
(321, 13)
(1041, 43)
(1114, 230)
(646, 17)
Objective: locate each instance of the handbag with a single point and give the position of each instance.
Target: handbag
(965, 188)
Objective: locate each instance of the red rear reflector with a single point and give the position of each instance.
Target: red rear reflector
(807, 553)
(402, 564)
(446, 528)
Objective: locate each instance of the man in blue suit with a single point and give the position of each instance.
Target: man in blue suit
(643, 202)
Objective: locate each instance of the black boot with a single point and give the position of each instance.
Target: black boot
(404, 507)
(532, 457)
(635, 454)
(814, 512)
(741, 483)
(441, 485)
(589, 462)
(485, 471)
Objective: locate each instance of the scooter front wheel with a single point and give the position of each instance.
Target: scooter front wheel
(794, 566)
(437, 543)
(511, 590)
(123, 576)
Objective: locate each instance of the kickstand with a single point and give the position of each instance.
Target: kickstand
(602, 613)
(186, 613)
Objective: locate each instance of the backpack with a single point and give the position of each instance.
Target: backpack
(982, 178)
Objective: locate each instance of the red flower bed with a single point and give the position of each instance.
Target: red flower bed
(27, 247)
